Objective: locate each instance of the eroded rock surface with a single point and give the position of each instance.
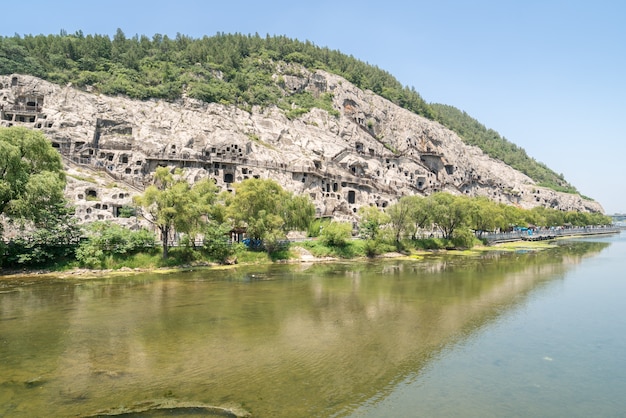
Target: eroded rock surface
(373, 153)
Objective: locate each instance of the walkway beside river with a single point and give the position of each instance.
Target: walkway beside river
(546, 234)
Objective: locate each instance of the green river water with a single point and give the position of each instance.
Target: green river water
(511, 334)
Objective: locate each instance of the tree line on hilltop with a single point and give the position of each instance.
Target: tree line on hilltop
(234, 69)
(201, 220)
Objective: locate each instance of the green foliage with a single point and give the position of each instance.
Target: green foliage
(316, 226)
(432, 244)
(148, 258)
(267, 211)
(351, 249)
(372, 220)
(226, 68)
(31, 196)
(216, 242)
(460, 218)
(403, 215)
(52, 242)
(256, 205)
(171, 204)
(106, 239)
(252, 257)
(371, 247)
(298, 104)
(464, 238)
(546, 217)
(449, 212)
(235, 69)
(336, 234)
(298, 212)
(127, 212)
(31, 175)
(180, 256)
(213, 91)
(374, 247)
(486, 215)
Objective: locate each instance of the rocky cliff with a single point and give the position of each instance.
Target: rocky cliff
(373, 153)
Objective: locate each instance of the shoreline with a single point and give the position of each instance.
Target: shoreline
(303, 256)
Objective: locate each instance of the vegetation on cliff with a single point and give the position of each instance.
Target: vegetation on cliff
(234, 69)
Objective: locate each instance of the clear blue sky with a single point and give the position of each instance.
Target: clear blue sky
(546, 74)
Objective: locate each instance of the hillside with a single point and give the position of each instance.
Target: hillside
(233, 70)
(365, 151)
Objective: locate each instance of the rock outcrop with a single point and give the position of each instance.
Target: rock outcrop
(373, 153)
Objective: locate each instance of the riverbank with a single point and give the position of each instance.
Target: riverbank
(298, 254)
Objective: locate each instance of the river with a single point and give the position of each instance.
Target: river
(526, 334)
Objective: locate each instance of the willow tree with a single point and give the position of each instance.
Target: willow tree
(267, 211)
(172, 204)
(485, 215)
(31, 174)
(449, 212)
(371, 220)
(32, 182)
(407, 215)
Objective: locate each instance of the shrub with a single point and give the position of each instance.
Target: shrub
(336, 234)
(105, 239)
(463, 238)
(316, 226)
(216, 242)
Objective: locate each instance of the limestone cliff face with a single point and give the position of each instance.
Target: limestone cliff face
(373, 153)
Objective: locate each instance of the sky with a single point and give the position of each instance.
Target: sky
(548, 75)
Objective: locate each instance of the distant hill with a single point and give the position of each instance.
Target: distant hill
(233, 69)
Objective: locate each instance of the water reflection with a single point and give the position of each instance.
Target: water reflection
(305, 340)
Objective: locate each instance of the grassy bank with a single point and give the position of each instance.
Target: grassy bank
(182, 258)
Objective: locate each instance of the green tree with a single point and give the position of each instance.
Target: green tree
(54, 239)
(484, 215)
(420, 213)
(401, 216)
(449, 212)
(515, 216)
(599, 219)
(371, 221)
(171, 204)
(546, 217)
(298, 212)
(267, 211)
(106, 239)
(216, 241)
(336, 234)
(31, 175)
(201, 209)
